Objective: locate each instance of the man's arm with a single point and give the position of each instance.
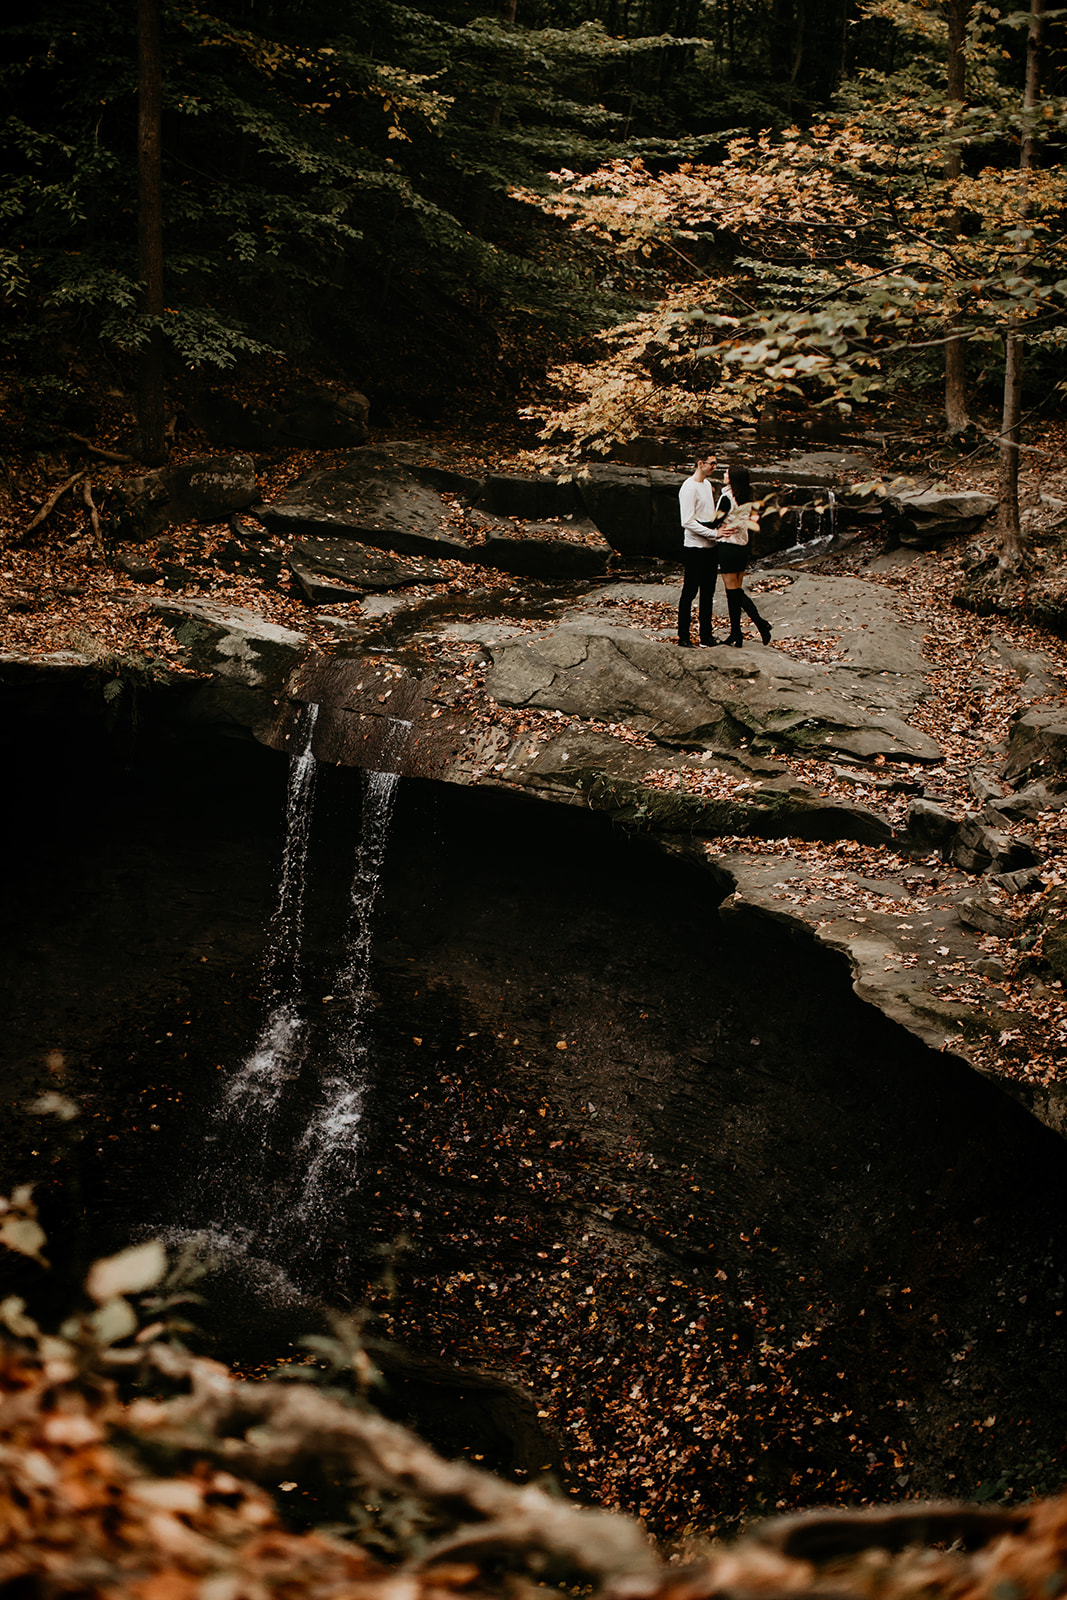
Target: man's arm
(687, 505)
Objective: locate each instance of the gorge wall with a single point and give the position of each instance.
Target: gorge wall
(724, 1237)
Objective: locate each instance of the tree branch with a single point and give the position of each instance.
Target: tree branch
(94, 515)
(50, 503)
(96, 450)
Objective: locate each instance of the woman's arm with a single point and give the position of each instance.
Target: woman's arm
(724, 505)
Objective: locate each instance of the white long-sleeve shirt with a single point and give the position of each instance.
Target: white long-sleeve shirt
(696, 502)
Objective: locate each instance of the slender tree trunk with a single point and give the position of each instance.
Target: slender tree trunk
(956, 418)
(1008, 471)
(798, 45)
(150, 228)
(480, 207)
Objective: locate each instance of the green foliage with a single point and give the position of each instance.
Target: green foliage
(313, 156)
(1033, 1479)
(373, 180)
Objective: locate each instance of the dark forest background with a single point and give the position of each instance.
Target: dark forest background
(338, 177)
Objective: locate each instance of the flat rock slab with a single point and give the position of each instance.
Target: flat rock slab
(858, 622)
(382, 509)
(755, 697)
(388, 504)
(871, 637)
(360, 566)
(233, 641)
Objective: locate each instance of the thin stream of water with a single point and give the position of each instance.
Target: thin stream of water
(286, 1131)
(330, 1140)
(260, 1079)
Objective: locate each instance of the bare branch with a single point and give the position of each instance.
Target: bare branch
(94, 515)
(96, 450)
(50, 503)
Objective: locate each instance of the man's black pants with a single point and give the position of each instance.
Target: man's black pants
(701, 569)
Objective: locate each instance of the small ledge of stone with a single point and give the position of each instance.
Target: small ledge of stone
(978, 848)
(332, 568)
(926, 518)
(982, 912)
(606, 774)
(881, 950)
(232, 641)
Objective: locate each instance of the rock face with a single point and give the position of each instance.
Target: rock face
(978, 848)
(394, 501)
(606, 774)
(636, 508)
(655, 1158)
(234, 642)
(208, 490)
(651, 1072)
(762, 700)
(1037, 749)
(387, 496)
(575, 693)
(925, 519)
(377, 507)
(686, 746)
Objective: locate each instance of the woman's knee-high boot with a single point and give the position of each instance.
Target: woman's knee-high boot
(733, 601)
(749, 608)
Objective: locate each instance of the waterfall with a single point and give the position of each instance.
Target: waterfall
(282, 1144)
(260, 1079)
(331, 1137)
(804, 545)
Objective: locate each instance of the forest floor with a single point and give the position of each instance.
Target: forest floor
(59, 589)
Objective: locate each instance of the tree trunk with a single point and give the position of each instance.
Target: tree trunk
(480, 206)
(1008, 463)
(798, 45)
(956, 418)
(1008, 473)
(150, 229)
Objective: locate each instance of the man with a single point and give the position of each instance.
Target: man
(700, 555)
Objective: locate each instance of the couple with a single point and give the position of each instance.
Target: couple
(717, 540)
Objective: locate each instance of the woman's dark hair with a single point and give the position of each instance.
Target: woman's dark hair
(740, 484)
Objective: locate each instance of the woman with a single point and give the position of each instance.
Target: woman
(736, 518)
